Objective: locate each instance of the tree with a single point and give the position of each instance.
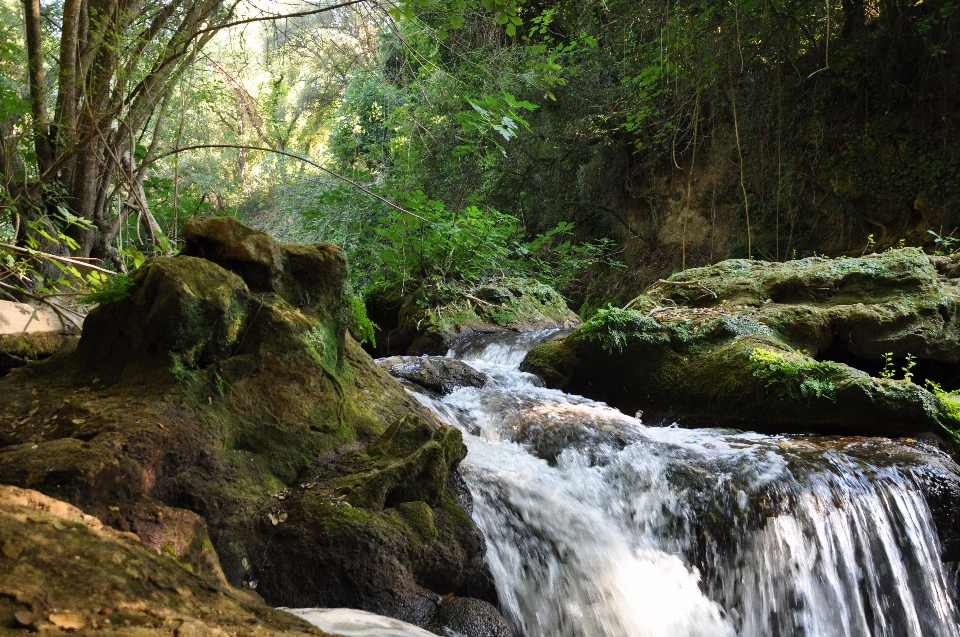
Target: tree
(77, 174)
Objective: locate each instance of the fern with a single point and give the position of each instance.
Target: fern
(795, 376)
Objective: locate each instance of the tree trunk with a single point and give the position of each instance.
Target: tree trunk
(38, 93)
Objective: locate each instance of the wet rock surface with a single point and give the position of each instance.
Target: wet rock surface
(469, 618)
(436, 373)
(793, 347)
(222, 412)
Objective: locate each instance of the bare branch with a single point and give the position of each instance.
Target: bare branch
(47, 255)
(303, 159)
(280, 17)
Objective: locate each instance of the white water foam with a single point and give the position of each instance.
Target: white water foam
(599, 526)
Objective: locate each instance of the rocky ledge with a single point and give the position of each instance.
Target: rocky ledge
(217, 407)
(867, 345)
(438, 315)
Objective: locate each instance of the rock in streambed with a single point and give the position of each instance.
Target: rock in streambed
(438, 315)
(798, 346)
(436, 373)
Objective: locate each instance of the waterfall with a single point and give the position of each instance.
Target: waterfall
(597, 525)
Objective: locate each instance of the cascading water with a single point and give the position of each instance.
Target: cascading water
(599, 526)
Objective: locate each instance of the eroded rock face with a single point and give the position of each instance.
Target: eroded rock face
(436, 317)
(436, 373)
(775, 346)
(61, 569)
(196, 411)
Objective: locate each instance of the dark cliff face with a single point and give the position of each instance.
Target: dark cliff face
(222, 412)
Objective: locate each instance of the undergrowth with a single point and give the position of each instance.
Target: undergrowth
(613, 327)
(116, 288)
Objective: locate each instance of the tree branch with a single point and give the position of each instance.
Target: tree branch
(303, 159)
(47, 255)
(280, 17)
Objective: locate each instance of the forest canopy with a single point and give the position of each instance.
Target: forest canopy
(595, 144)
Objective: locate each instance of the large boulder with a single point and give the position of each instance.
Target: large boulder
(438, 315)
(220, 404)
(63, 570)
(811, 345)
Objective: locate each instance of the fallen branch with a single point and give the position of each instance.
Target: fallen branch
(47, 255)
(682, 284)
(470, 296)
(43, 299)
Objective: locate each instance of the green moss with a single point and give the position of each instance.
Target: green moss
(32, 345)
(419, 516)
(795, 376)
(453, 308)
(951, 407)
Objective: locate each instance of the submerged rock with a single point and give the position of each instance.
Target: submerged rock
(222, 412)
(436, 373)
(776, 346)
(439, 315)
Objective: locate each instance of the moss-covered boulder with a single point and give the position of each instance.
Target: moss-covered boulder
(438, 315)
(830, 345)
(197, 400)
(382, 514)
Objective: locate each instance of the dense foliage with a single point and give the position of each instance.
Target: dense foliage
(483, 138)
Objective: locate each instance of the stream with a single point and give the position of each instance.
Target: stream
(597, 525)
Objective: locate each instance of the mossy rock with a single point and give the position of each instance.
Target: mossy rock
(206, 392)
(377, 527)
(438, 315)
(17, 350)
(774, 346)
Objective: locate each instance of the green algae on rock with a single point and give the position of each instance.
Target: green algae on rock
(437, 315)
(226, 378)
(776, 346)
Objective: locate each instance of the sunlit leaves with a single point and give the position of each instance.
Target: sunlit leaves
(451, 16)
(500, 115)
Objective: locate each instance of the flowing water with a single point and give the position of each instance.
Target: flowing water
(599, 526)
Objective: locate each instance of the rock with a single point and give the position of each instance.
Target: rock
(438, 315)
(214, 411)
(69, 572)
(774, 346)
(376, 529)
(312, 278)
(17, 350)
(468, 618)
(23, 318)
(436, 373)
